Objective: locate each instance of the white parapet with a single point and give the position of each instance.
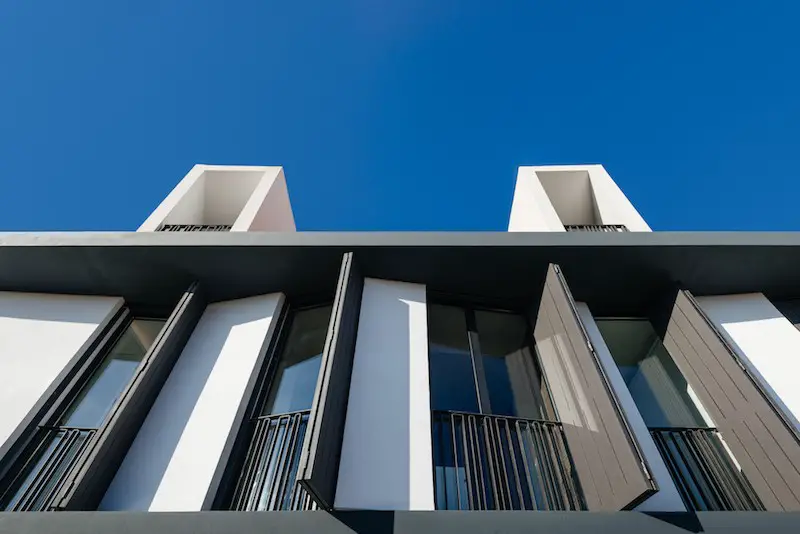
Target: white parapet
(548, 198)
(246, 199)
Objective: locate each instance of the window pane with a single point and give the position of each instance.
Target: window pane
(512, 374)
(660, 391)
(26, 477)
(112, 377)
(451, 374)
(298, 368)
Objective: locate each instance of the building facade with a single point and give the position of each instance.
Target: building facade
(578, 372)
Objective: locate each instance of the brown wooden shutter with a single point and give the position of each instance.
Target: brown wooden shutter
(763, 442)
(99, 463)
(608, 462)
(319, 463)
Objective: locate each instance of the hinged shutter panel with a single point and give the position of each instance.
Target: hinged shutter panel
(94, 471)
(322, 446)
(764, 444)
(609, 465)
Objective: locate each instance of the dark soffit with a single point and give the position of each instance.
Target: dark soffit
(614, 272)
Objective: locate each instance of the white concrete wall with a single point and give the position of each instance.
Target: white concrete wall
(183, 205)
(227, 193)
(765, 341)
(667, 498)
(269, 208)
(533, 211)
(171, 463)
(387, 459)
(613, 206)
(39, 335)
(246, 197)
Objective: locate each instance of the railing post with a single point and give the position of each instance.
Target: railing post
(528, 470)
(716, 483)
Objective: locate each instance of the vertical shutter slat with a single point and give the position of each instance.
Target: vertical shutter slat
(319, 462)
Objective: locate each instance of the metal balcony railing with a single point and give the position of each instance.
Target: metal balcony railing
(487, 462)
(267, 481)
(194, 228)
(54, 454)
(704, 472)
(595, 228)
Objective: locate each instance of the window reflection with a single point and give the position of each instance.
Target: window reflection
(657, 386)
(298, 369)
(112, 377)
(513, 379)
(451, 374)
(34, 482)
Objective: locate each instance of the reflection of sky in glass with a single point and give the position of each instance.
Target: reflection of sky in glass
(451, 375)
(452, 379)
(295, 390)
(298, 369)
(37, 465)
(657, 386)
(502, 335)
(112, 377)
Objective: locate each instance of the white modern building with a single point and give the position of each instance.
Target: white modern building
(578, 364)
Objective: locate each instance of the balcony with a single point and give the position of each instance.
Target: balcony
(487, 462)
(267, 481)
(595, 228)
(54, 453)
(194, 228)
(703, 471)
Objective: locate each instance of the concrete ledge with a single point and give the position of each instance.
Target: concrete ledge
(397, 522)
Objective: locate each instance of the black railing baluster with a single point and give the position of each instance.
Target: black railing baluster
(268, 474)
(705, 460)
(515, 470)
(558, 469)
(473, 455)
(505, 459)
(54, 455)
(703, 471)
(595, 228)
(194, 228)
(525, 466)
(468, 471)
(264, 467)
(549, 484)
(495, 473)
(450, 441)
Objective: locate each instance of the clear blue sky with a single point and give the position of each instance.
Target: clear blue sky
(402, 115)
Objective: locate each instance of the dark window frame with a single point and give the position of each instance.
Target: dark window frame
(477, 493)
(705, 425)
(708, 477)
(232, 464)
(267, 380)
(24, 444)
(471, 304)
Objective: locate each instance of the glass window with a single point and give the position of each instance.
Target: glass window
(660, 391)
(35, 483)
(512, 374)
(112, 377)
(451, 375)
(298, 369)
